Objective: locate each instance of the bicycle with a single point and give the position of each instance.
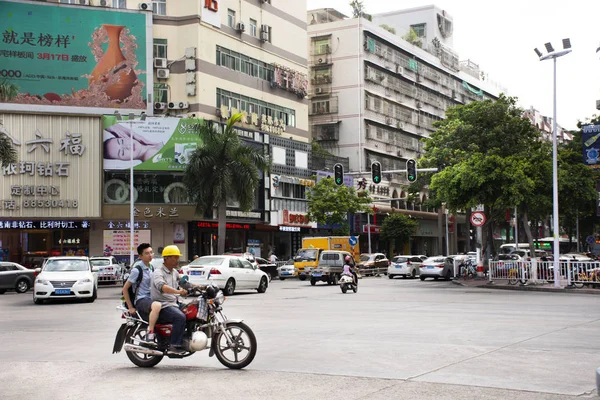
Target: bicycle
(466, 270)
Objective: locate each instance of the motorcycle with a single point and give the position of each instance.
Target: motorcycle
(347, 282)
(206, 327)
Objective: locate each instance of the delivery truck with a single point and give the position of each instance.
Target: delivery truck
(307, 257)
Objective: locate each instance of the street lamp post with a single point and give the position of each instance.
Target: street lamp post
(553, 55)
(131, 187)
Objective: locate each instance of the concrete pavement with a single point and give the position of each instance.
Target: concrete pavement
(393, 339)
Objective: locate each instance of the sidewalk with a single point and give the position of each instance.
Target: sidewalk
(531, 287)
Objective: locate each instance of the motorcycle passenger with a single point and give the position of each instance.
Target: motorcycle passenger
(165, 281)
(143, 299)
(348, 270)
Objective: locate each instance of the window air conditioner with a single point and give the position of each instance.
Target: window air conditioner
(162, 73)
(160, 106)
(182, 105)
(241, 27)
(319, 90)
(145, 6)
(160, 62)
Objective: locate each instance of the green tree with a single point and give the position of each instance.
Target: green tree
(358, 10)
(223, 168)
(329, 203)
(490, 152)
(412, 38)
(398, 228)
(388, 28)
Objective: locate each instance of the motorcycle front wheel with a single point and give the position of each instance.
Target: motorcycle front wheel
(140, 359)
(344, 288)
(241, 351)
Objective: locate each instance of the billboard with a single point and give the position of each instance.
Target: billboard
(159, 144)
(591, 145)
(66, 58)
(58, 169)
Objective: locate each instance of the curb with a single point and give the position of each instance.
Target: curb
(530, 288)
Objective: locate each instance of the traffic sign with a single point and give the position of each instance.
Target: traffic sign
(352, 240)
(478, 218)
(590, 239)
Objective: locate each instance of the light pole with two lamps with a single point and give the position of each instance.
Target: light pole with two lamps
(553, 55)
(131, 122)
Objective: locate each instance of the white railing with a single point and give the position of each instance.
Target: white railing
(577, 273)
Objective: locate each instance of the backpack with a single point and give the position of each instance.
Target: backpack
(133, 293)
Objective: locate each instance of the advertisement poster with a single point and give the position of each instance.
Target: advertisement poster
(70, 56)
(116, 242)
(591, 145)
(158, 144)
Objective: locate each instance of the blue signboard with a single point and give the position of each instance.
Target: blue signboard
(591, 145)
(352, 241)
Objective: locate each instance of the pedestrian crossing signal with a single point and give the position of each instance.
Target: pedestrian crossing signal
(376, 172)
(339, 174)
(411, 170)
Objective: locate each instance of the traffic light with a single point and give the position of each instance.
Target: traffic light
(411, 170)
(376, 172)
(339, 174)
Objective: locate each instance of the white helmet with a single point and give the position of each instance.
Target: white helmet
(199, 341)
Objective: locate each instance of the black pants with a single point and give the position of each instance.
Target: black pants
(174, 316)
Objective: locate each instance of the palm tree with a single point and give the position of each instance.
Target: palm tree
(222, 168)
(8, 154)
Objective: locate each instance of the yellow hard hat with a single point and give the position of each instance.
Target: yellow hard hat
(171, 250)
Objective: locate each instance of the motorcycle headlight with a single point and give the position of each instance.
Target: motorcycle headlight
(42, 282)
(219, 298)
(84, 281)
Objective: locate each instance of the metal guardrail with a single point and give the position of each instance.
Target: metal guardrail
(578, 273)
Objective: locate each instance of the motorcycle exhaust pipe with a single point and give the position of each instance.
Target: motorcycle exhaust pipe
(139, 349)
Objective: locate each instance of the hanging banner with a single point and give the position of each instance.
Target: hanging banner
(158, 144)
(69, 58)
(591, 146)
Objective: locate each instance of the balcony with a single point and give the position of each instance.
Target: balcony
(320, 90)
(323, 133)
(323, 106)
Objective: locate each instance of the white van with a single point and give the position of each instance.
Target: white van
(510, 247)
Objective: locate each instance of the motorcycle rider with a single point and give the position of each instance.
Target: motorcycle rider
(143, 300)
(165, 282)
(349, 271)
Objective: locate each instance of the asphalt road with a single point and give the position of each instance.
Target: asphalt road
(393, 339)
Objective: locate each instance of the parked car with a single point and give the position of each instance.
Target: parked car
(267, 267)
(66, 277)
(228, 272)
(435, 267)
(286, 271)
(248, 256)
(15, 277)
(373, 264)
(33, 261)
(330, 267)
(109, 270)
(405, 266)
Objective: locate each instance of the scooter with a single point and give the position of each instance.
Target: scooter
(347, 282)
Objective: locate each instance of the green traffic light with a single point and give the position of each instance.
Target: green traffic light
(338, 180)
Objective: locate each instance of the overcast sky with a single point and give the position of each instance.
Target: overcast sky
(500, 36)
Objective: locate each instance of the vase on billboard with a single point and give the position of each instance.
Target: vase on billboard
(111, 70)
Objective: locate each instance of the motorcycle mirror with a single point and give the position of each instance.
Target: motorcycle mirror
(184, 279)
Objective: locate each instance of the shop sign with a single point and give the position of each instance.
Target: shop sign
(73, 59)
(69, 241)
(117, 242)
(54, 175)
(159, 144)
(289, 228)
(210, 13)
(156, 212)
(265, 123)
(127, 224)
(291, 218)
(278, 179)
(44, 225)
(215, 225)
(374, 228)
(243, 214)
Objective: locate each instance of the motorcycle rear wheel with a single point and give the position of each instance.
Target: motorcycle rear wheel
(222, 350)
(344, 288)
(141, 360)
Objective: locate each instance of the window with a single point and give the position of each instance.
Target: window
(320, 107)
(119, 3)
(160, 48)
(419, 29)
(278, 155)
(250, 105)
(69, 1)
(159, 7)
(322, 46)
(244, 64)
(301, 159)
(161, 93)
(253, 26)
(231, 18)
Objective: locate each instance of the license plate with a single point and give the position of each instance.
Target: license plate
(285, 273)
(62, 291)
(316, 275)
(196, 272)
(430, 267)
(398, 266)
(99, 269)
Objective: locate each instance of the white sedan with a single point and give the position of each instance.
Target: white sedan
(229, 273)
(66, 278)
